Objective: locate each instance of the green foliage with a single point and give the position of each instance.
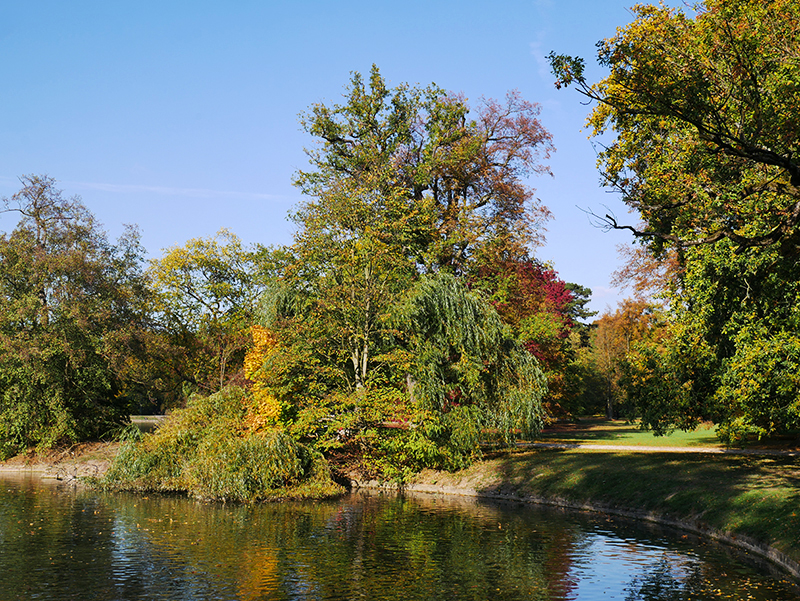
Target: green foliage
(759, 388)
(205, 295)
(71, 309)
(403, 185)
(464, 357)
(702, 110)
(205, 451)
(414, 158)
(731, 350)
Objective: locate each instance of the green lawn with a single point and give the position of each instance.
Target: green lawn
(622, 432)
(754, 496)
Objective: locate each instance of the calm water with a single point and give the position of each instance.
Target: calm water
(57, 542)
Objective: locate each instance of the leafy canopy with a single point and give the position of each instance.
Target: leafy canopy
(704, 113)
(71, 306)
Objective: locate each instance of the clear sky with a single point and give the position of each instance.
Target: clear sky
(182, 116)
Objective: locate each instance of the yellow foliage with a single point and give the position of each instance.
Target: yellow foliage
(265, 411)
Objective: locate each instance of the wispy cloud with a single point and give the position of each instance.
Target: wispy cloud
(537, 51)
(169, 191)
(70, 187)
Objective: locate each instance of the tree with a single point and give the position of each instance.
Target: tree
(403, 183)
(206, 293)
(466, 363)
(704, 112)
(69, 303)
(650, 277)
(730, 351)
(541, 310)
(402, 188)
(615, 340)
(457, 183)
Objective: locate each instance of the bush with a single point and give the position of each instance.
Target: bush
(205, 451)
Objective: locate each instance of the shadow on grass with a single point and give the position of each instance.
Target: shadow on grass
(623, 432)
(753, 496)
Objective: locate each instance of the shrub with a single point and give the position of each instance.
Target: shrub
(205, 451)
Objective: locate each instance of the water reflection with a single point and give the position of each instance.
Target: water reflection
(63, 543)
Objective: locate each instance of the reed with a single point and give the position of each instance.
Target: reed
(206, 451)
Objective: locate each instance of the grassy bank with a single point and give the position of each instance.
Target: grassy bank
(747, 496)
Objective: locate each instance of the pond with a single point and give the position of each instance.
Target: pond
(62, 542)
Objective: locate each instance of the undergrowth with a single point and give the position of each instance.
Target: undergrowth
(206, 450)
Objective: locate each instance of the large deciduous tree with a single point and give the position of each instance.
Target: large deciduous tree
(70, 304)
(404, 183)
(703, 112)
(205, 296)
(455, 181)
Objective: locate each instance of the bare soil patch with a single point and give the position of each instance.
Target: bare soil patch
(90, 459)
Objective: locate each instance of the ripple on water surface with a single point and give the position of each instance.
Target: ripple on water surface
(58, 542)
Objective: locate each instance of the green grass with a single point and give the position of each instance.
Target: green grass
(622, 432)
(753, 496)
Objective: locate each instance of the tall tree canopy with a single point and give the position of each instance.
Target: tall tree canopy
(404, 182)
(70, 304)
(205, 297)
(405, 186)
(448, 181)
(703, 112)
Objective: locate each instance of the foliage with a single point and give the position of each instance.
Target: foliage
(454, 378)
(70, 305)
(463, 356)
(205, 297)
(760, 385)
(402, 189)
(617, 340)
(542, 311)
(732, 348)
(205, 450)
(455, 183)
(703, 113)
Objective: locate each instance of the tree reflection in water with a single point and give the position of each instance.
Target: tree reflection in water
(372, 546)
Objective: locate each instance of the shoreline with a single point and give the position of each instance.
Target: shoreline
(745, 543)
(85, 460)
(93, 460)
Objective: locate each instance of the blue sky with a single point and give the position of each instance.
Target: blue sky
(182, 117)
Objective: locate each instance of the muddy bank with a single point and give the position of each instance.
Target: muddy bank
(81, 460)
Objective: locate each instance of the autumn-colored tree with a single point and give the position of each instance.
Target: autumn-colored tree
(703, 109)
(615, 340)
(206, 293)
(704, 113)
(542, 310)
(649, 277)
(456, 182)
(402, 185)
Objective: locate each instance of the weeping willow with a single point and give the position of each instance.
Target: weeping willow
(467, 366)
